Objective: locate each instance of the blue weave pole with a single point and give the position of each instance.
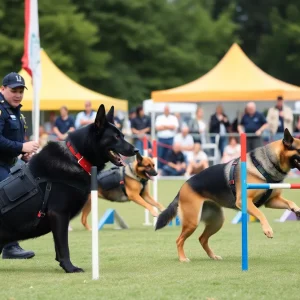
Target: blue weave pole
(244, 203)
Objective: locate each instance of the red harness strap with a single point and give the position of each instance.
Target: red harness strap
(81, 160)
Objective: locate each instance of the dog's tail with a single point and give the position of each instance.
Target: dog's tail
(168, 214)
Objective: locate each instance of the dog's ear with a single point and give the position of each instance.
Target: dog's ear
(100, 117)
(110, 115)
(139, 158)
(287, 139)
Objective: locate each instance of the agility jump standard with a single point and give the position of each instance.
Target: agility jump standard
(154, 183)
(252, 186)
(95, 240)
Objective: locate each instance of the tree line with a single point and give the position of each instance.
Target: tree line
(128, 48)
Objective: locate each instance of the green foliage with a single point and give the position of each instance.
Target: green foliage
(157, 44)
(279, 51)
(129, 48)
(65, 33)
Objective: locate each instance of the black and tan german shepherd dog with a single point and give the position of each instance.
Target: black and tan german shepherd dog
(67, 166)
(202, 197)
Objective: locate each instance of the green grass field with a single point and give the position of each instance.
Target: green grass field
(140, 263)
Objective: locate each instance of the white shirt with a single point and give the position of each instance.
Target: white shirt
(201, 155)
(166, 120)
(82, 116)
(231, 152)
(202, 125)
(184, 141)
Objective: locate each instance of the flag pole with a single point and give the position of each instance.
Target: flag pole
(36, 107)
(31, 59)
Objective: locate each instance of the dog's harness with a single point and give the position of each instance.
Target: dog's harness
(261, 170)
(81, 161)
(133, 176)
(231, 176)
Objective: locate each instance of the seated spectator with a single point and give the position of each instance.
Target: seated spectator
(140, 126)
(197, 162)
(63, 124)
(118, 121)
(176, 164)
(231, 151)
(49, 125)
(186, 141)
(85, 117)
(198, 127)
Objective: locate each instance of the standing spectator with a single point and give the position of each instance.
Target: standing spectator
(253, 122)
(219, 124)
(279, 118)
(198, 127)
(85, 117)
(176, 165)
(140, 126)
(63, 124)
(186, 141)
(197, 162)
(166, 126)
(231, 151)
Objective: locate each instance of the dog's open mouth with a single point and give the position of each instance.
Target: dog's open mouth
(116, 158)
(149, 176)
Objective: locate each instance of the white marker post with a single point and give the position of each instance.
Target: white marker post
(95, 240)
(147, 214)
(155, 190)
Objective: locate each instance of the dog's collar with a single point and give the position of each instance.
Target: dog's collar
(86, 165)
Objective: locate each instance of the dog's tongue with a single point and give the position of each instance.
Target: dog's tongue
(149, 177)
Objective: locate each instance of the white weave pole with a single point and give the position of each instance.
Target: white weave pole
(155, 188)
(95, 239)
(147, 213)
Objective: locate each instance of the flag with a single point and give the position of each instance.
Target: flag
(31, 60)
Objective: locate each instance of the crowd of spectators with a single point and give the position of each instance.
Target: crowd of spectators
(180, 141)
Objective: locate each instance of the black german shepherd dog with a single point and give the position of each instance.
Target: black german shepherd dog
(67, 166)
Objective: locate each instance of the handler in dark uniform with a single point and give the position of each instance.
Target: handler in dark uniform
(12, 143)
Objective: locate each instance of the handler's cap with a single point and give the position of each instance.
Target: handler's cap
(13, 80)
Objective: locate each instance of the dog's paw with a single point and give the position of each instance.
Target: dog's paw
(216, 257)
(296, 211)
(154, 214)
(268, 231)
(184, 259)
(75, 270)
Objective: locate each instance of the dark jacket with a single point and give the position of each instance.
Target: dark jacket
(214, 125)
(12, 132)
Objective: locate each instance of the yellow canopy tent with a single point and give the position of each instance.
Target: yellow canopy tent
(58, 89)
(234, 78)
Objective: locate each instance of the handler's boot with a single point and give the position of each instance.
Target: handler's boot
(14, 251)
